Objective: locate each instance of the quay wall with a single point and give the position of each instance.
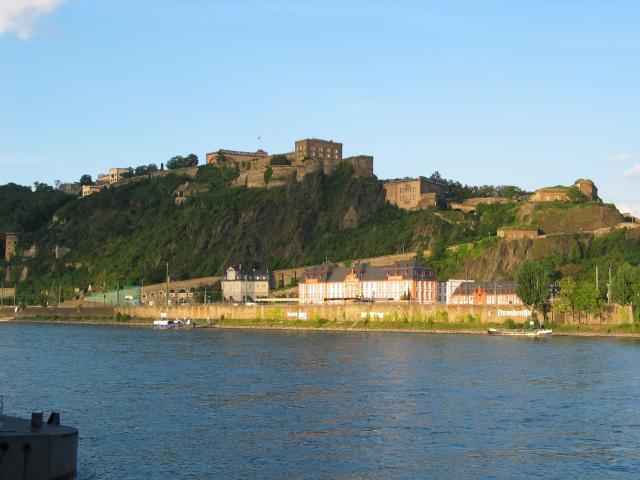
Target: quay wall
(378, 311)
(614, 315)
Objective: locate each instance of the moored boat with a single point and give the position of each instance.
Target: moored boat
(165, 322)
(519, 332)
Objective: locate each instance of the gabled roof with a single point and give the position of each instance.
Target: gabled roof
(502, 286)
(409, 270)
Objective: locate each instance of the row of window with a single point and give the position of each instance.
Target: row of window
(312, 148)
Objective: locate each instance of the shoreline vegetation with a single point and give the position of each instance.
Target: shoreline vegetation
(392, 326)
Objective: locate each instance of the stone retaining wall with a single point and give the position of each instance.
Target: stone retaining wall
(349, 312)
(378, 311)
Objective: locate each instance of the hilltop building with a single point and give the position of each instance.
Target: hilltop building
(408, 280)
(581, 190)
(91, 189)
(471, 204)
(234, 156)
(517, 233)
(415, 193)
(261, 170)
(485, 293)
(587, 188)
(103, 179)
(327, 152)
(245, 285)
(118, 174)
(10, 246)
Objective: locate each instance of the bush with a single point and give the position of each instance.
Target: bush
(268, 173)
(509, 323)
(279, 159)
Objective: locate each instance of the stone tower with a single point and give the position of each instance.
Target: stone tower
(10, 246)
(588, 188)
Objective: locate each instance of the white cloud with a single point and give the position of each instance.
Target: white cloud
(632, 172)
(619, 157)
(20, 16)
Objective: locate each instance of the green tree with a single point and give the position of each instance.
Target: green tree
(626, 285)
(141, 170)
(268, 173)
(577, 251)
(86, 180)
(279, 159)
(566, 297)
(532, 283)
(179, 161)
(439, 250)
(42, 187)
(587, 299)
(510, 191)
(175, 162)
(191, 160)
(145, 169)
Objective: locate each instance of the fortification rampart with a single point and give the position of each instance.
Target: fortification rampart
(280, 175)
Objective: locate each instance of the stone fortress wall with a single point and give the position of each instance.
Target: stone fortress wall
(310, 155)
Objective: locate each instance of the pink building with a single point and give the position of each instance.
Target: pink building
(485, 293)
(400, 281)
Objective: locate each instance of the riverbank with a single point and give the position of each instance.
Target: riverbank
(382, 326)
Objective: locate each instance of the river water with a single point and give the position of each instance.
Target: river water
(200, 404)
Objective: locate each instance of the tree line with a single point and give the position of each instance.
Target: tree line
(535, 286)
(456, 191)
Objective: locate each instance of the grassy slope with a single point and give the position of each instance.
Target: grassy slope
(126, 234)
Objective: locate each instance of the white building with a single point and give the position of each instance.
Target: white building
(446, 289)
(399, 281)
(245, 286)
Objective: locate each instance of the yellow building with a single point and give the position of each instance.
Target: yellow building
(91, 189)
(415, 193)
(326, 152)
(117, 174)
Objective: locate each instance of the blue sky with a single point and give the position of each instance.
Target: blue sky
(531, 93)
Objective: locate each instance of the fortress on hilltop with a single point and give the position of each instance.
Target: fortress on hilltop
(581, 190)
(260, 170)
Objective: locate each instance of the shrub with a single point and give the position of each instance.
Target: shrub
(268, 173)
(509, 323)
(279, 159)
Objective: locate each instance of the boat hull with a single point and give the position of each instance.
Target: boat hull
(520, 333)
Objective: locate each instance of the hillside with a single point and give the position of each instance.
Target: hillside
(576, 255)
(565, 217)
(127, 234)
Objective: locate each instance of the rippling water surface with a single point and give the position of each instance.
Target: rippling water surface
(271, 404)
